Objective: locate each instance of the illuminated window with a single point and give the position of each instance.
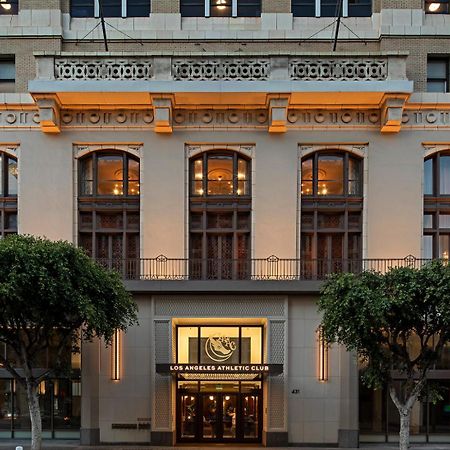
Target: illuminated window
(329, 8)
(8, 191)
(9, 7)
(220, 8)
(110, 8)
(437, 7)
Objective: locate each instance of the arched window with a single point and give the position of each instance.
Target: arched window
(436, 221)
(8, 194)
(108, 204)
(331, 213)
(220, 216)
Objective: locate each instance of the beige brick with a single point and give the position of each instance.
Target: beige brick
(40, 4)
(276, 6)
(165, 6)
(401, 4)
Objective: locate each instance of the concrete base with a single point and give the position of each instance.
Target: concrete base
(348, 438)
(275, 439)
(90, 436)
(164, 438)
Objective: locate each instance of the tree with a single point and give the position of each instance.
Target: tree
(52, 295)
(397, 321)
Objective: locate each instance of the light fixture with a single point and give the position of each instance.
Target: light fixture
(5, 5)
(116, 355)
(433, 7)
(221, 4)
(227, 397)
(323, 361)
(211, 397)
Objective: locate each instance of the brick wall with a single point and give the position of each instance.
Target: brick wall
(23, 49)
(165, 6)
(40, 4)
(276, 6)
(402, 4)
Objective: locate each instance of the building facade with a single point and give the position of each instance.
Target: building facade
(224, 159)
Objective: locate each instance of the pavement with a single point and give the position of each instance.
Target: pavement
(7, 444)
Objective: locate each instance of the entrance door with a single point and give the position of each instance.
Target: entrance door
(220, 415)
(329, 253)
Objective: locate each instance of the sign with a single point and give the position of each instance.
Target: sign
(219, 348)
(273, 369)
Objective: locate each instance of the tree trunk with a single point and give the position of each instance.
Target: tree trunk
(35, 416)
(405, 416)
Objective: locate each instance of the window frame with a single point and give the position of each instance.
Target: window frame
(346, 9)
(445, 60)
(346, 156)
(234, 9)
(123, 11)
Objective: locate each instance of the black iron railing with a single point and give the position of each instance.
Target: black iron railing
(271, 268)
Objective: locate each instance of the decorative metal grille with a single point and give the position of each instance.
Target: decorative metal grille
(338, 69)
(221, 69)
(103, 69)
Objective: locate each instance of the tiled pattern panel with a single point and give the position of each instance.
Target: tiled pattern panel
(214, 306)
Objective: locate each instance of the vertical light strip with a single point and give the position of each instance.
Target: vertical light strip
(124, 8)
(317, 8)
(96, 8)
(345, 8)
(323, 358)
(234, 8)
(116, 356)
(207, 8)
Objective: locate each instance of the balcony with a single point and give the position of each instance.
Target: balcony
(272, 268)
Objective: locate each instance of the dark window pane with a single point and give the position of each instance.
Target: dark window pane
(307, 177)
(428, 220)
(304, 8)
(5, 405)
(354, 177)
(112, 8)
(220, 8)
(82, 8)
(192, 8)
(12, 177)
(437, 68)
(444, 175)
(249, 8)
(437, 86)
(428, 177)
(11, 221)
(110, 221)
(87, 177)
(329, 8)
(133, 177)
(427, 245)
(138, 8)
(9, 7)
(359, 8)
(7, 69)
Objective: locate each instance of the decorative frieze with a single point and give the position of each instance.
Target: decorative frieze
(228, 118)
(214, 69)
(19, 119)
(355, 69)
(100, 118)
(103, 69)
(426, 118)
(333, 118)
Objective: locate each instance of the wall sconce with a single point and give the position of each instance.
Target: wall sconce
(116, 355)
(323, 357)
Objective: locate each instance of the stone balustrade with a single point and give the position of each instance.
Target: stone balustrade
(205, 66)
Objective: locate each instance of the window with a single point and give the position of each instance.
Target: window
(7, 74)
(220, 8)
(331, 226)
(329, 8)
(8, 194)
(437, 7)
(108, 204)
(220, 216)
(438, 75)
(9, 7)
(111, 8)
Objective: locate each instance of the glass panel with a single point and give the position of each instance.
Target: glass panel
(359, 8)
(219, 345)
(133, 221)
(192, 8)
(443, 246)
(5, 405)
(428, 220)
(242, 176)
(243, 221)
(133, 177)
(216, 386)
(428, 177)
(11, 221)
(251, 345)
(354, 221)
(229, 404)
(210, 416)
(437, 68)
(444, 362)
(67, 404)
(335, 221)
(307, 177)
(82, 8)
(440, 412)
(220, 8)
(188, 386)
(85, 241)
(444, 175)
(249, 8)
(220, 175)
(21, 412)
(197, 177)
(110, 221)
(138, 8)
(7, 68)
(87, 177)
(112, 8)
(110, 175)
(354, 177)
(437, 86)
(220, 220)
(187, 345)
(196, 221)
(329, 8)
(444, 220)
(427, 244)
(330, 175)
(250, 408)
(188, 416)
(354, 248)
(372, 410)
(1, 174)
(12, 177)
(304, 8)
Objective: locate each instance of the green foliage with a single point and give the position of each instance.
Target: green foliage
(394, 321)
(51, 290)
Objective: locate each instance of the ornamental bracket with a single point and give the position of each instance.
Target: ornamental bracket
(49, 114)
(278, 111)
(163, 108)
(392, 113)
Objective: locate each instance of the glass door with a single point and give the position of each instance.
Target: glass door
(250, 416)
(188, 416)
(210, 413)
(229, 415)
